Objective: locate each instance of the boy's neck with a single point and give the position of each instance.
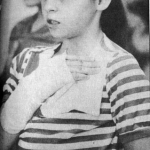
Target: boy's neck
(83, 45)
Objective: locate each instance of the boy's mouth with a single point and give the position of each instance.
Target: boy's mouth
(52, 22)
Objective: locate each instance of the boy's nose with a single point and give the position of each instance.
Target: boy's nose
(50, 5)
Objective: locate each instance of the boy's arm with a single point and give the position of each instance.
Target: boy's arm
(130, 103)
(141, 144)
(7, 140)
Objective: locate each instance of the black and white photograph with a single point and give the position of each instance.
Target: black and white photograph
(74, 75)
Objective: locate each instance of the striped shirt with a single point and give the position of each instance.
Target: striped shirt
(124, 112)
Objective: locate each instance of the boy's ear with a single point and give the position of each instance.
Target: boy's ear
(102, 4)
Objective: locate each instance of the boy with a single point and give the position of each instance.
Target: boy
(85, 93)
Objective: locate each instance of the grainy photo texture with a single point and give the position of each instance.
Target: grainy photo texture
(74, 75)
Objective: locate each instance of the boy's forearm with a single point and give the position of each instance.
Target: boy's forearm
(141, 144)
(7, 141)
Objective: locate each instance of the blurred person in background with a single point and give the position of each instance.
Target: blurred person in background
(137, 14)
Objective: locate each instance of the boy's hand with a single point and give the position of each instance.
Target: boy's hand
(51, 75)
(82, 67)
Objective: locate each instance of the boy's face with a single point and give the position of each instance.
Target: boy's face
(68, 18)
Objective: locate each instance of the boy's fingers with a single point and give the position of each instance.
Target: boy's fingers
(78, 58)
(93, 64)
(79, 76)
(85, 70)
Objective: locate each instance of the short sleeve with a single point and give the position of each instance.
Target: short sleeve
(129, 93)
(11, 82)
(15, 73)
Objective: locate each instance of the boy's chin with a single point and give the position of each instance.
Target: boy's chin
(59, 38)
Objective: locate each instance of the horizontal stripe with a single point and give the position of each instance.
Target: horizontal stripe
(134, 127)
(105, 111)
(105, 105)
(59, 126)
(69, 134)
(14, 78)
(129, 122)
(120, 59)
(144, 101)
(98, 130)
(89, 144)
(101, 120)
(121, 76)
(133, 109)
(129, 92)
(62, 135)
(51, 132)
(133, 114)
(135, 135)
(121, 70)
(66, 125)
(105, 100)
(128, 86)
(123, 63)
(79, 116)
(131, 98)
(67, 141)
(70, 121)
(111, 146)
(126, 80)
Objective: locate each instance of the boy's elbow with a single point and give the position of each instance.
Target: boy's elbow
(7, 140)
(141, 144)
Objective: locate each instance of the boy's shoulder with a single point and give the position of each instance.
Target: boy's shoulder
(115, 53)
(119, 60)
(29, 57)
(38, 49)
